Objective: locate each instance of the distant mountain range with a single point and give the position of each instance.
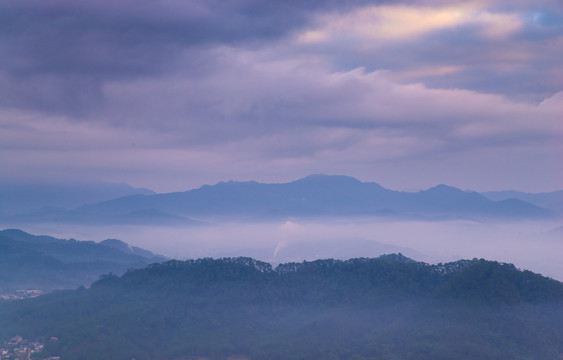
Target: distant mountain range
(321, 195)
(26, 196)
(47, 263)
(389, 307)
(312, 196)
(549, 200)
(80, 217)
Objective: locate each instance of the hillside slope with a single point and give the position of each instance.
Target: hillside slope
(46, 263)
(385, 308)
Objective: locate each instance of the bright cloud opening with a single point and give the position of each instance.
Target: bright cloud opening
(404, 23)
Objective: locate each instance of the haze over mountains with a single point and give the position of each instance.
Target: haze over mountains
(422, 101)
(316, 217)
(29, 195)
(549, 200)
(312, 196)
(47, 263)
(321, 195)
(389, 307)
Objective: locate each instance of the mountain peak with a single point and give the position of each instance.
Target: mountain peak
(231, 183)
(314, 195)
(444, 188)
(328, 179)
(117, 244)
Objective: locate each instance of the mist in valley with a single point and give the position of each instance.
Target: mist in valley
(532, 245)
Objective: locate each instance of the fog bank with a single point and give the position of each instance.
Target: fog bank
(535, 246)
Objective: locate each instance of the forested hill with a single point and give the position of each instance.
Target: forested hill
(390, 307)
(354, 280)
(45, 263)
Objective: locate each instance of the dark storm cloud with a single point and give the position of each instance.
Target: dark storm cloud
(131, 38)
(270, 90)
(56, 55)
(125, 39)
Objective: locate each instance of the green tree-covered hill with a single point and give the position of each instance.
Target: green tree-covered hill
(385, 308)
(46, 263)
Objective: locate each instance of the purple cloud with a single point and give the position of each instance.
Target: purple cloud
(173, 94)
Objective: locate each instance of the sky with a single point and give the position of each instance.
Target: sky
(174, 94)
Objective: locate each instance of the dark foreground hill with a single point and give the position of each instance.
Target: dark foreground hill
(46, 263)
(385, 308)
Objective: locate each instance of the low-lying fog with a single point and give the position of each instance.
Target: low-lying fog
(536, 246)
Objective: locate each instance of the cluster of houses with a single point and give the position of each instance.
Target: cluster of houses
(21, 294)
(18, 348)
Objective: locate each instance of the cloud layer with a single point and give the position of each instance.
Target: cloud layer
(174, 94)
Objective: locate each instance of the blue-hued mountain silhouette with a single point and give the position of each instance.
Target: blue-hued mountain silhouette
(46, 263)
(312, 196)
(135, 217)
(549, 200)
(390, 307)
(28, 196)
(320, 196)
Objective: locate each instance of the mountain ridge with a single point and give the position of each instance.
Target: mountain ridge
(318, 195)
(552, 200)
(47, 263)
(26, 196)
(386, 307)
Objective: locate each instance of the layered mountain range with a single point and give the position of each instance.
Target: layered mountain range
(29, 195)
(47, 263)
(313, 196)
